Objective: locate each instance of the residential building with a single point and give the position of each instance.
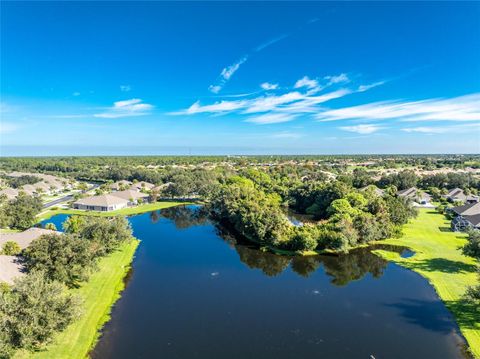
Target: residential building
(133, 197)
(142, 185)
(466, 216)
(416, 195)
(458, 195)
(103, 203)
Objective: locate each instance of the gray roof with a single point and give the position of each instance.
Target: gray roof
(469, 209)
(23, 239)
(142, 185)
(409, 192)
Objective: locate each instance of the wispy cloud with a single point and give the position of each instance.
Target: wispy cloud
(302, 99)
(268, 86)
(463, 128)
(226, 74)
(362, 129)
(76, 93)
(127, 108)
(125, 88)
(271, 118)
(337, 79)
(463, 108)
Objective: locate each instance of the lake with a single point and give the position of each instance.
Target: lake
(195, 291)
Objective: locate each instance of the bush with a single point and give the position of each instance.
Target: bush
(11, 248)
(472, 248)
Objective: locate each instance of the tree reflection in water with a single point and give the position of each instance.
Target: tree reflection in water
(342, 268)
(182, 216)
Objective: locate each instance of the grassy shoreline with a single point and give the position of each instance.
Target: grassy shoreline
(148, 207)
(99, 293)
(439, 259)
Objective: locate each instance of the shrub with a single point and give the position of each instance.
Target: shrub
(11, 248)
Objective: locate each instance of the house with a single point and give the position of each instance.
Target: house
(11, 193)
(142, 185)
(377, 191)
(120, 185)
(408, 193)
(23, 239)
(414, 194)
(133, 197)
(457, 195)
(466, 216)
(103, 203)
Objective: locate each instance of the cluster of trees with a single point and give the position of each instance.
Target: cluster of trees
(472, 248)
(17, 182)
(347, 216)
(19, 213)
(39, 304)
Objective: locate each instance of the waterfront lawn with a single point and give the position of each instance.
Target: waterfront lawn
(99, 293)
(438, 258)
(147, 207)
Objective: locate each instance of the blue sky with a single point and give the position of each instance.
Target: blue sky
(225, 77)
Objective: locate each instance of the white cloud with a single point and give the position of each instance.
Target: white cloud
(363, 88)
(336, 79)
(463, 108)
(7, 127)
(226, 74)
(215, 88)
(426, 129)
(271, 118)
(361, 129)
(444, 129)
(268, 86)
(125, 88)
(269, 103)
(126, 108)
(76, 93)
(306, 82)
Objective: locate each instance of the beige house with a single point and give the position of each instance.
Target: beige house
(103, 203)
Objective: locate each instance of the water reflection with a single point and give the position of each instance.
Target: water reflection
(342, 269)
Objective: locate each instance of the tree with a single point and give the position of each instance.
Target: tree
(11, 248)
(32, 311)
(472, 248)
(66, 258)
(23, 210)
(51, 226)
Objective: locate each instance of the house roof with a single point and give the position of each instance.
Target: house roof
(474, 220)
(129, 194)
(142, 185)
(11, 268)
(11, 193)
(456, 193)
(469, 209)
(26, 237)
(118, 184)
(409, 192)
(102, 201)
(378, 191)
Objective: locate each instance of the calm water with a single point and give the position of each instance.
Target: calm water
(196, 293)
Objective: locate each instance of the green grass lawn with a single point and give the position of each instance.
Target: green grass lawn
(99, 294)
(148, 207)
(439, 259)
